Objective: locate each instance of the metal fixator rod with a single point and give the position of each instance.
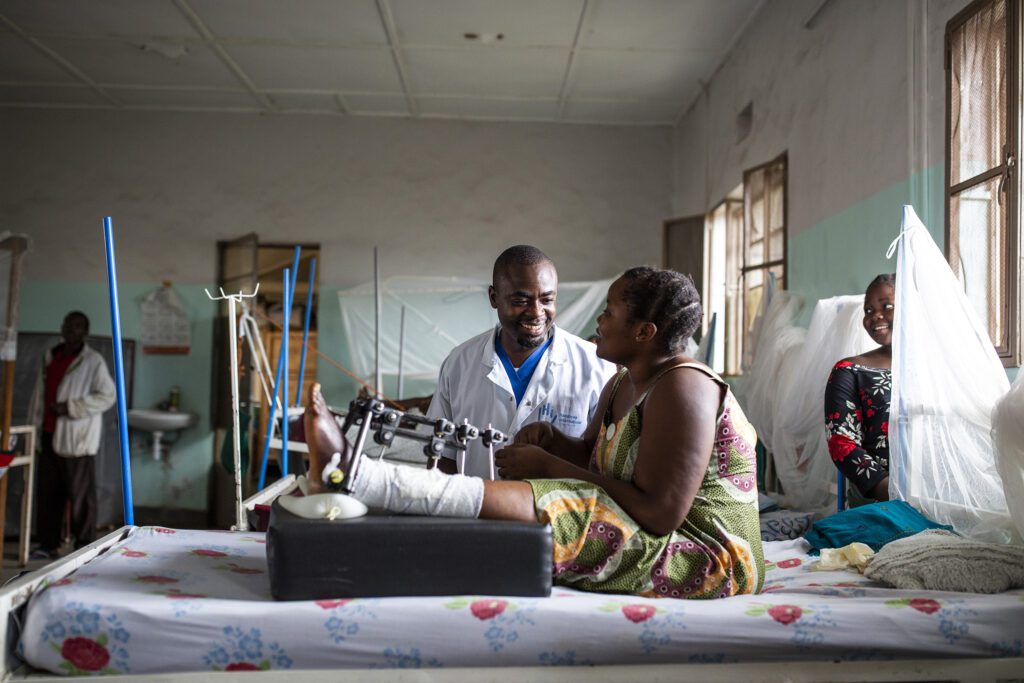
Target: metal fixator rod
(378, 376)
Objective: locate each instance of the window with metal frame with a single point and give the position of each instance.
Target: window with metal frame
(763, 252)
(982, 149)
(724, 228)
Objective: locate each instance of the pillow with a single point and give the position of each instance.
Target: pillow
(874, 524)
(941, 561)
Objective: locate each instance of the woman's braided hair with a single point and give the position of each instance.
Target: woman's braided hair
(666, 298)
(883, 279)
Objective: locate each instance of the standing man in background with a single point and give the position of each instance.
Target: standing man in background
(72, 391)
(526, 369)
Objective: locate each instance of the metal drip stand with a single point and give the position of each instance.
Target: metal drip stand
(241, 523)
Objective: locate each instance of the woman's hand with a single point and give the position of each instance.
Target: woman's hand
(523, 461)
(536, 434)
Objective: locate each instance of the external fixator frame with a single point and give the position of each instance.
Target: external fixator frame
(371, 414)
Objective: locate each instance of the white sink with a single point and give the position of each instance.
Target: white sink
(160, 420)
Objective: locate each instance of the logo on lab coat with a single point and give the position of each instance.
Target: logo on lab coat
(564, 419)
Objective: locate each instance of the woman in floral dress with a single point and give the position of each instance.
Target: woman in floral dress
(658, 497)
(857, 399)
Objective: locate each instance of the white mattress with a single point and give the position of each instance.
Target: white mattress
(168, 600)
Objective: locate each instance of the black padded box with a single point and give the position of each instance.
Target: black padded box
(391, 555)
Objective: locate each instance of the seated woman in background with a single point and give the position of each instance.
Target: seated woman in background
(857, 399)
(657, 498)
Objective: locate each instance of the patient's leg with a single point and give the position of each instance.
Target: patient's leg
(407, 490)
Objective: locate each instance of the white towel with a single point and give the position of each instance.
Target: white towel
(941, 560)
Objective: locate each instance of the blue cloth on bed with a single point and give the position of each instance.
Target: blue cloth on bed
(874, 524)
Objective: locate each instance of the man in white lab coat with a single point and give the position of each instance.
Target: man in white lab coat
(524, 370)
(72, 391)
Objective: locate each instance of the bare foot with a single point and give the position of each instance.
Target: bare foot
(328, 448)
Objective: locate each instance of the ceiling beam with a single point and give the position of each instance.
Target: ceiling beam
(387, 21)
(563, 92)
(63, 63)
(200, 26)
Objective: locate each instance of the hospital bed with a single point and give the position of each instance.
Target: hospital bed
(146, 601)
(153, 603)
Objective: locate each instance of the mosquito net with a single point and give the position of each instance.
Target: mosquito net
(946, 381)
(800, 442)
(1008, 433)
(440, 313)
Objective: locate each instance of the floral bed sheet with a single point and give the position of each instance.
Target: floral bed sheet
(167, 600)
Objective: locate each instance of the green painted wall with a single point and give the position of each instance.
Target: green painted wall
(180, 481)
(842, 253)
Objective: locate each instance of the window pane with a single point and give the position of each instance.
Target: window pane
(978, 129)
(755, 205)
(753, 291)
(776, 194)
(733, 327)
(977, 254)
(777, 247)
(755, 253)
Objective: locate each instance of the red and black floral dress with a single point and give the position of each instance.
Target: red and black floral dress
(857, 419)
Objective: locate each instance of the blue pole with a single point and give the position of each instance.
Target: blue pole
(285, 325)
(305, 331)
(122, 407)
(277, 382)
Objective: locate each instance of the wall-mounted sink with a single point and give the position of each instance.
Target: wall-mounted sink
(158, 422)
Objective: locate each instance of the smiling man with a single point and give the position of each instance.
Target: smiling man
(526, 369)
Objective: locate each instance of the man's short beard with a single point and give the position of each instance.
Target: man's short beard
(531, 342)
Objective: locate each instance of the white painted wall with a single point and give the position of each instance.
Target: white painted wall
(439, 197)
(856, 98)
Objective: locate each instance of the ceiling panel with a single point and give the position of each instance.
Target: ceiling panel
(522, 22)
(240, 99)
(339, 22)
(487, 71)
(318, 68)
(20, 61)
(638, 75)
(305, 101)
(376, 104)
(636, 61)
(141, 63)
(488, 108)
(71, 95)
(99, 17)
(591, 111)
(664, 24)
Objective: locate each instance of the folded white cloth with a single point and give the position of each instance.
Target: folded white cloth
(853, 556)
(937, 559)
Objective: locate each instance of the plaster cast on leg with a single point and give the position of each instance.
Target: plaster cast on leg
(404, 490)
(412, 491)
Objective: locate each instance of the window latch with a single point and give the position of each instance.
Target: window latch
(1007, 170)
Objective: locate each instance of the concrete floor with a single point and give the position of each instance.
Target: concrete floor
(11, 568)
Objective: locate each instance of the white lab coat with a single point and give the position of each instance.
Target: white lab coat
(564, 390)
(89, 391)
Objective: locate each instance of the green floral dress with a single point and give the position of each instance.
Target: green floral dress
(716, 551)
